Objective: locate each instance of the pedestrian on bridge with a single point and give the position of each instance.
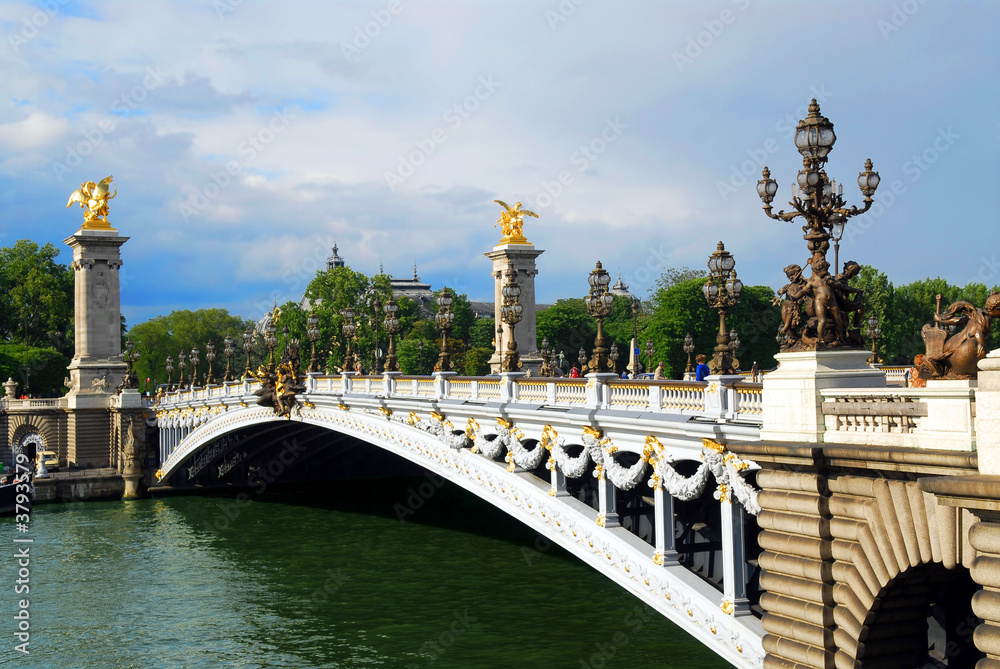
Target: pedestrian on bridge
(701, 370)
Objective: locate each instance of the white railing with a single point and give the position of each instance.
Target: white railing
(682, 395)
(571, 392)
(15, 404)
(941, 415)
(749, 399)
(532, 391)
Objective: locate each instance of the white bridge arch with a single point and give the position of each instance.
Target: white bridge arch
(443, 425)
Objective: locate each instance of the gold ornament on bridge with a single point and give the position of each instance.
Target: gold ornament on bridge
(93, 198)
(512, 222)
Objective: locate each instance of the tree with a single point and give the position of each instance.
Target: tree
(329, 293)
(477, 361)
(35, 291)
(47, 368)
(482, 333)
(182, 330)
(567, 326)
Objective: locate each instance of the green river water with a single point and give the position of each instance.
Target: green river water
(323, 577)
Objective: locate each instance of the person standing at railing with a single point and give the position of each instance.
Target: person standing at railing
(755, 372)
(574, 373)
(701, 370)
(658, 372)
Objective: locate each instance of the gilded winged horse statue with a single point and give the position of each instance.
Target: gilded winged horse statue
(93, 199)
(512, 221)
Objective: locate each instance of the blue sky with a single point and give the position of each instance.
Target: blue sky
(245, 136)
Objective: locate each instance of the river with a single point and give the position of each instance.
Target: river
(325, 576)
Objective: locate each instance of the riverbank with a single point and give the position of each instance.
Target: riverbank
(79, 485)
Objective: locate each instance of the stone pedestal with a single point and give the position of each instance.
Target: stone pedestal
(96, 369)
(988, 414)
(793, 408)
(520, 257)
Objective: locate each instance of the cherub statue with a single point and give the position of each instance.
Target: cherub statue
(93, 199)
(821, 287)
(961, 353)
(512, 219)
(794, 292)
(848, 297)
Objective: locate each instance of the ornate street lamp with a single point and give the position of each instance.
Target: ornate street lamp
(819, 200)
(582, 358)
(420, 356)
(270, 337)
(182, 365)
(248, 347)
(510, 314)
(546, 353)
(131, 356)
(599, 303)
(170, 373)
(722, 291)
(194, 366)
(873, 331)
(210, 357)
(689, 349)
(391, 329)
(312, 321)
(230, 351)
(350, 329)
(613, 357)
(377, 307)
(292, 349)
(445, 321)
(649, 354)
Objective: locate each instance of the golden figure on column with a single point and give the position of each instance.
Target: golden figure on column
(512, 222)
(93, 199)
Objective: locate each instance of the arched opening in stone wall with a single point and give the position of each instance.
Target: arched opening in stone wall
(922, 618)
(27, 440)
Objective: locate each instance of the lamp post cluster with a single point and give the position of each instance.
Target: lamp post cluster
(350, 330)
(230, 350)
(391, 329)
(445, 320)
(819, 200)
(689, 349)
(130, 357)
(649, 354)
(548, 359)
(722, 291)
(599, 302)
(510, 314)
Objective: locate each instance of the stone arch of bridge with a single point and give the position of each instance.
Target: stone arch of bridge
(28, 439)
(432, 443)
(862, 572)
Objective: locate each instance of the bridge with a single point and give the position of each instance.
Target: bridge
(598, 466)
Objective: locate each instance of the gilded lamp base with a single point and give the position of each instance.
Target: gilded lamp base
(97, 224)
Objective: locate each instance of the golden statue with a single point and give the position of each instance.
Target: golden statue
(512, 222)
(93, 199)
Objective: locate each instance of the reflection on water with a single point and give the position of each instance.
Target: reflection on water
(324, 577)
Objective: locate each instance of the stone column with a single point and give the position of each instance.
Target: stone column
(988, 414)
(520, 257)
(792, 399)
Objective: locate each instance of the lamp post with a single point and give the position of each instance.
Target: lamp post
(170, 373)
(689, 349)
(312, 321)
(510, 313)
(445, 321)
(377, 307)
(210, 357)
(722, 292)
(131, 356)
(599, 303)
(391, 329)
(613, 357)
(837, 225)
(582, 359)
(350, 329)
(634, 363)
(734, 345)
(182, 365)
(248, 348)
(230, 350)
(873, 331)
(819, 200)
(649, 354)
(546, 368)
(420, 356)
(194, 366)
(270, 338)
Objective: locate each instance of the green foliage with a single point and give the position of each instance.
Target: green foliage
(47, 368)
(36, 290)
(477, 360)
(413, 359)
(567, 326)
(482, 333)
(182, 330)
(464, 318)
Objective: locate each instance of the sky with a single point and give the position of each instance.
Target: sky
(246, 136)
